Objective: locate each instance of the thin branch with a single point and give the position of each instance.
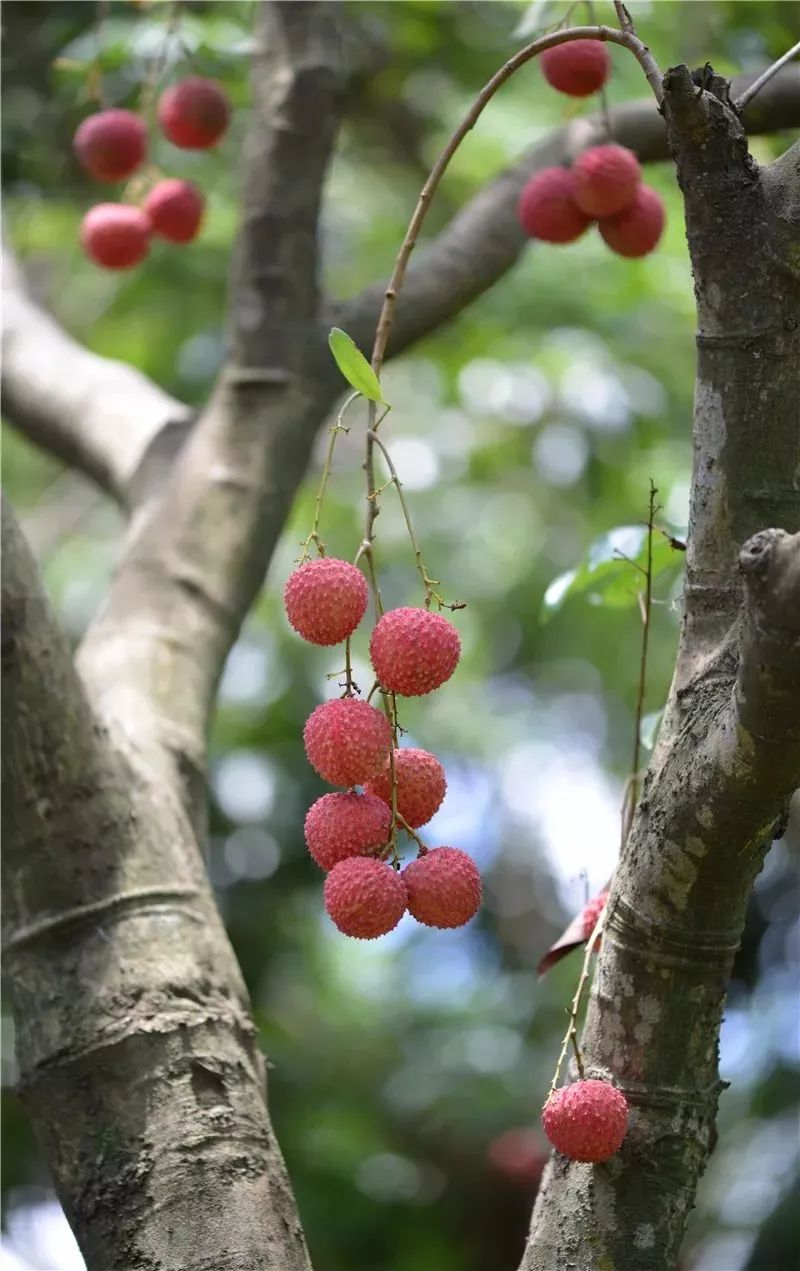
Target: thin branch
(484, 240)
(749, 93)
(99, 416)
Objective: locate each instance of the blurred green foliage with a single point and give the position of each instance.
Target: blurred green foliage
(525, 433)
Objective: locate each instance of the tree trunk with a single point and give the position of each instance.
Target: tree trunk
(728, 756)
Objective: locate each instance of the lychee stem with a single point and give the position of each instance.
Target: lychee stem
(334, 431)
(571, 1035)
(412, 834)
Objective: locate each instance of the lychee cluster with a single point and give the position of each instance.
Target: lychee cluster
(112, 144)
(586, 1121)
(557, 205)
(352, 835)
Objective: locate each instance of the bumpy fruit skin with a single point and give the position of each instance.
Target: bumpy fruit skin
(591, 913)
(111, 144)
(194, 113)
(444, 888)
(547, 207)
(606, 179)
(413, 651)
(115, 235)
(587, 1120)
(175, 210)
(578, 68)
(347, 741)
(342, 825)
(421, 785)
(636, 230)
(325, 600)
(364, 897)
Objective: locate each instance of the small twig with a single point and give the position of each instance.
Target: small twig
(403, 823)
(604, 106)
(624, 18)
(334, 431)
(756, 87)
(571, 1035)
(646, 606)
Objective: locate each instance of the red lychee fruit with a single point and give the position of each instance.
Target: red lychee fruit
(413, 651)
(587, 1120)
(577, 68)
(364, 897)
(444, 887)
(606, 179)
(325, 599)
(115, 235)
(547, 207)
(342, 825)
(111, 144)
(347, 741)
(519, 1154)
(635, 230)
(591, 913)
(175, 210)
(194, 113)
(421, 785)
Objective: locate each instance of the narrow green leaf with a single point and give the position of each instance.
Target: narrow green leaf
(354, 366)
(649, 728)
(607, 575)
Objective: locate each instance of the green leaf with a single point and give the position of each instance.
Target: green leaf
(648, 730)
(608, 575)
(354, 366)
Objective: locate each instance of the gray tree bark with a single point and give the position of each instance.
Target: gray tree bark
(121, 974)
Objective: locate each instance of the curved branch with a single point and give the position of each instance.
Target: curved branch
(484, 240)
(122, 978)
(98, 415)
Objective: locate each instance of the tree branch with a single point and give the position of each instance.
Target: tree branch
(122, 981)
(728, 753)
(195, 563)
(98, 415)
(484, 240)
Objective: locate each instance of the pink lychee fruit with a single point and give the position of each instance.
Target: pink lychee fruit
(421, 785)
(325, 599)
(587, 1120)
(194, 113)
(444, 887)
(347, 741)
(175, 210)
(577, 68)
(413, 651)
(111, 144)
(364, 897)
(547, 207)
(606, 179)
(342, 825)
(115, 235)
(591, 913)
(635, 230)
(519, 1154)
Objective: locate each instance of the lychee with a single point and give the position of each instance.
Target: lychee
(194, 113)
(577, 68)
(111, 144)
(420, 781)
(364, 897)
(115, 235)
(635, 230)
(175, 210)
(413, 651)
(347, 741)
(591, 913)
(325, 599)
(444, 887)
(606, 179)
(547, 207)
(342, 825)
(587, 1120)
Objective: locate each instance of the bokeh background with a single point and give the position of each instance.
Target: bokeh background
(406, 1074)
